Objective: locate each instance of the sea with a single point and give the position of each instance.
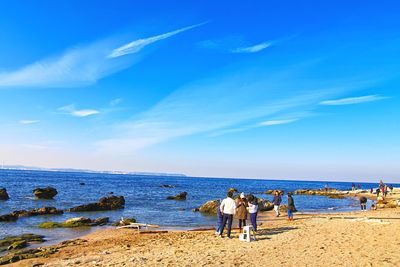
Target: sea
(145, 198)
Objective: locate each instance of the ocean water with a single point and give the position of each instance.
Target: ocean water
(145, 199)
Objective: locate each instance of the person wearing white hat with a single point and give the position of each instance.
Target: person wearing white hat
(241, 210)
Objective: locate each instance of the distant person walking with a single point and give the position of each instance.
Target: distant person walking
(227, 208)
(290, 206)
(353, 187)
(277, 202)
(253, 210)
(241, 210)
(363, 203)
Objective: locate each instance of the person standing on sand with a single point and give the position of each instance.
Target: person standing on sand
(241, 210)
(219, 220)
(290, 206)
(277, 202)
(227, 208)
(363, 203)
(253, 210)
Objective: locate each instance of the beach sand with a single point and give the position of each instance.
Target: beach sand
(346, 239)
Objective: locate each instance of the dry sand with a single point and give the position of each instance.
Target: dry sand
(310, 240)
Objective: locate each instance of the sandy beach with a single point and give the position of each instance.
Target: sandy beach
(347, 239)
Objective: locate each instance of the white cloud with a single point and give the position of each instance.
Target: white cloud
(71, 110)
(276, 122)
(137, 45)
(352, 100)
(28, 121)
(115, 102)
(81, 65)
(252, 49)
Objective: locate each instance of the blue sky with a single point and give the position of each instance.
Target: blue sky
(266, 89)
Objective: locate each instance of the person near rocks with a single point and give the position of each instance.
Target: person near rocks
(353, 187)
(228, 209)
(378, 190)
(241, 210)
(373, 207)
(253, 210)
(386, 190)
(277, 202)
(219, 220)
(363, 203)
(290, 206)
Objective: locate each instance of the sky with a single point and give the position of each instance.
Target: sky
(305, 90)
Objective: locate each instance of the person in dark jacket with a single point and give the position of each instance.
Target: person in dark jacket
(363, 203)
(290, 206)
(277, 202)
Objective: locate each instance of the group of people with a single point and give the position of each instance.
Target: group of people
(242, 206)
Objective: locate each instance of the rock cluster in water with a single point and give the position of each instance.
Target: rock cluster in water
(45, 193)
(3, 194)
(180, 196)
(75, 222)
(104, 203)
(13, 216)
(331, 193)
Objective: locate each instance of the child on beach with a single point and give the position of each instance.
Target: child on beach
(228, 209)
(253, 209)
(277, 202)
(241, 210)
(363, 203)
(290, 206)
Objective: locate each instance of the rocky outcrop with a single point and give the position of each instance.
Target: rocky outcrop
(13, 216)
(45, 193)
(271, 192)
(37, 212)
(124, 221)
(104, 203)
(210, 207)
(75, 222)
(265, 205)
(331, 193)
(233, 190)
(8, 218)
(180, 196)
(393, 203)
(3, 194)
(18, 242)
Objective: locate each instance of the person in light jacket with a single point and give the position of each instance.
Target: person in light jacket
(253, 209)
(228, 209)
(277, 202)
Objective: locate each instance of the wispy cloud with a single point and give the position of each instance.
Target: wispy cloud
(276, 122)
(229, 103)
(352, 100)
(115, 102)
(29, 121)
(252, 49)
(71, 110)
(137, 45)
(81, 65)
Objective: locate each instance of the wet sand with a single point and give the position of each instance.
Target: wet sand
(343, 239)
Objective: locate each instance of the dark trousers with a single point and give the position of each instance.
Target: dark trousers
(227, 218)
(253, 219)
(363, 206)
(242, 223)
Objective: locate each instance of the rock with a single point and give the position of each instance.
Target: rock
(45, 193)
(104, 203)
(180, 196)
(75, 222)
(18, 245)
(167, 186)
(196, 210)
(37, 212)
(210, 207)
(265, 205)
(27, 254)
(21, 241)
(271, 192)
(8, 218)
(81, 183)
(3, 194)
(331, 193)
